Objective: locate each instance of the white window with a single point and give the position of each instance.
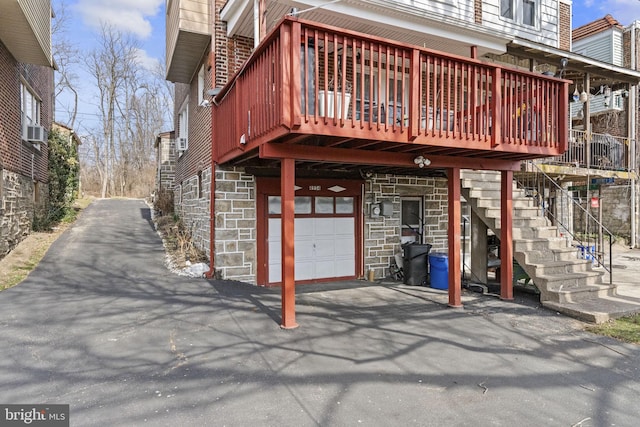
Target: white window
(30, 106)
(521, 11)
(183, 127)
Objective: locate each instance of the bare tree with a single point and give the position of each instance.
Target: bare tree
(66, 57)
(112, 65)
(134, 105)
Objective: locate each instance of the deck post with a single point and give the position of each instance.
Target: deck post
(455, 282)
(287, 192)
(506, 236)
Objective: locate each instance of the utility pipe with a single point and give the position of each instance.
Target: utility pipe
(633, 89)
(212, 191)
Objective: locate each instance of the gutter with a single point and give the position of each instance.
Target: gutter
(212, 191)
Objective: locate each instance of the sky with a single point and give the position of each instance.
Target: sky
(145, 19)
(585, 11)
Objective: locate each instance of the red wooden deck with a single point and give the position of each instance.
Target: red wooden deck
(341, 94)
(323, 97)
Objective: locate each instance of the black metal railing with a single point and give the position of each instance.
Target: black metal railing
(592, 240)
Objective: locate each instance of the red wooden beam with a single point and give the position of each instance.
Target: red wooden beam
(506, 236)
(455, 281)
(379, 158)
(287, 193)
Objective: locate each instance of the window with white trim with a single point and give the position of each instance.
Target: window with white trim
(30, 107)
(183, 127)
(521, 11)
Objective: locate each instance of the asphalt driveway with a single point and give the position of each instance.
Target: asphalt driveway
(103, 326)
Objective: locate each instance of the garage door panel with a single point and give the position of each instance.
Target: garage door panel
(344, 226)
(344, 268)
(324, 248)
(344, 247)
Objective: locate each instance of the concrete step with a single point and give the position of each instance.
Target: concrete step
(543, 256)
(584, 293)
(518, 212)
(568, 281)
(489, 193)
(539, 244)
(517, 222)
(525, 202)
(561, 267)
(484, 184)
(481, 175)
(534, 232)
(598, 310)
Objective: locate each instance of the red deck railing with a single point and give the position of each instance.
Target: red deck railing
(307, 78)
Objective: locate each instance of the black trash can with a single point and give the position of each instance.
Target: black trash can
(415, 263)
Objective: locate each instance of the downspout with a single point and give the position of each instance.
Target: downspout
(212, 191)
(632, 136)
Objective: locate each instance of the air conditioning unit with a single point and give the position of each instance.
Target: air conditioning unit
(182, 144)
(35, 134)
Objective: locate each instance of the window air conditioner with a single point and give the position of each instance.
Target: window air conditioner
(35, 134)
(182, 144)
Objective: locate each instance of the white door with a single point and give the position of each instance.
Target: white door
(324, 248)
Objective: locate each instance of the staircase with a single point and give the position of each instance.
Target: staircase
(566, 283)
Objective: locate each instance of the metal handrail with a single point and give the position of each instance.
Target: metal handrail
(540, 186)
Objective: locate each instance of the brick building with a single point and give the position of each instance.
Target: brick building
(236, 109)
(26, 114)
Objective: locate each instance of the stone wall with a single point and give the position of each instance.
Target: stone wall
(235, 205)
(382, 235)
(235, 240)
(18, 202)
(166, 166)
(616, 211)
(191, 201)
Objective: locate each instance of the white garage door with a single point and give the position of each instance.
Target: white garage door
(324, 248)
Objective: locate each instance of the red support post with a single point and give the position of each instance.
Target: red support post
(287, 192)
(455, 281)
(506, 236)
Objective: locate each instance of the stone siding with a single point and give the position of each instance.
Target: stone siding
(382, 235)
(192, 206)
(235, 239)
(166, 166)
(17, 207)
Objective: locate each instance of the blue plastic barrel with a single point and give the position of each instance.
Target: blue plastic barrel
(439, 269)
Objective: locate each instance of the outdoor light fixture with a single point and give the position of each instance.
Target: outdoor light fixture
(576, 95)
(421, 161)
(584, 96)
(563, 65)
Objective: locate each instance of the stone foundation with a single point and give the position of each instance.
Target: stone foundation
(17, 208)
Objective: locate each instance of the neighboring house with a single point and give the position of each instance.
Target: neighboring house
(26, 113)
(603, 111)
(165, 146)
(349, 122)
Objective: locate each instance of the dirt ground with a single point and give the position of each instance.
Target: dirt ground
(27, 254)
